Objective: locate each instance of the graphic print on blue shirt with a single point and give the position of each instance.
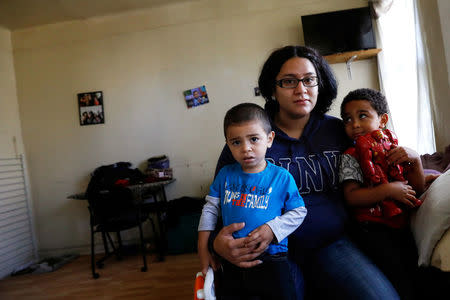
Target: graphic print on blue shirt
(255, 198)
(312, 170)
(246, 196)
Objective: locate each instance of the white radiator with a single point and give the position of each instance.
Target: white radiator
(17, 241)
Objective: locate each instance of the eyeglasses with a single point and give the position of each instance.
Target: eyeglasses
(292, 83)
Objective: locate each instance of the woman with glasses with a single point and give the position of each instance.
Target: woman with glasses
(299, 87)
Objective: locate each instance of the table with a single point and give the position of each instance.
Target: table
(146, 195)
(138, 190)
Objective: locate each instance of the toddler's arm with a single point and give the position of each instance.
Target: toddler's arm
(206, 259)
(207, 223)
(358, 195)
(414, 172)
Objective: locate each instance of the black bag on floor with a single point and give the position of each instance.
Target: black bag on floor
(183, 216)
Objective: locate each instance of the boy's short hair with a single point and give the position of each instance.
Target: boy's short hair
(376, 99)
(246, 112)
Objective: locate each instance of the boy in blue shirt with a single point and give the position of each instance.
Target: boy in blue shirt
(262, 195)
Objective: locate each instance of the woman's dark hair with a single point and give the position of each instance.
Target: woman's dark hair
(246, 112)
(376, 99)
(272, 66)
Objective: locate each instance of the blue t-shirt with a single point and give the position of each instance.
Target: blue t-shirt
(255, 198)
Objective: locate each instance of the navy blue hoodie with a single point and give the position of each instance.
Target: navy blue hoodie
(313, 161)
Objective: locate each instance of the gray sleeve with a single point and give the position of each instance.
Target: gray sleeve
(210, 214)
(285, 224)
(350, 169)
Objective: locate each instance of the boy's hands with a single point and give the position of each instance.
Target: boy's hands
(402, 192)
(414, 173)
(260, 238)
(401, 155)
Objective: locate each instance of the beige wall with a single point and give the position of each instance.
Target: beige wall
(439, 55)
(444, 17)
(437, 38)
(10, 131)
(142, 62)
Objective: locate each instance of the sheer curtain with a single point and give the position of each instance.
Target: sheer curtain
(403, 72)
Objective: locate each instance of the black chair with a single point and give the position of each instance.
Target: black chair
(114, 211)
(113, 208)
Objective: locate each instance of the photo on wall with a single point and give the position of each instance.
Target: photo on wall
(90, 105)
(196, 96)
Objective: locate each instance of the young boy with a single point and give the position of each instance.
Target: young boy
(262, 195)
(385, 238)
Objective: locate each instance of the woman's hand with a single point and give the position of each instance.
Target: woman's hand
(260, 238)
(234, 250)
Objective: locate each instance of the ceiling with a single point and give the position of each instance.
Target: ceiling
(20, 14)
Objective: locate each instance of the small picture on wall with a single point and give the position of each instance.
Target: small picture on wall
(196, 96)
(90, 106)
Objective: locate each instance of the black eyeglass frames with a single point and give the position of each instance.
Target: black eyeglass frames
(292, 83)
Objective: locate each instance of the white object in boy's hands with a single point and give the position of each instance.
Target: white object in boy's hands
(198, 287)
(206, 291)
(208, 288)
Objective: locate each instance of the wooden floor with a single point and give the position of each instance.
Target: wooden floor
(170, 279)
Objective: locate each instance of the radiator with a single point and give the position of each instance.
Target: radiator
(17, 239)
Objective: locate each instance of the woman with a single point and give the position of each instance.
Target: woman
(299, 87)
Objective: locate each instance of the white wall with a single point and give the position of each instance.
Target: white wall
(142, 62)
(10, 131)
(435, 18)
(444, 17)
(443, 93)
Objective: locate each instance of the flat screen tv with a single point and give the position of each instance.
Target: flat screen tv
(339, 31)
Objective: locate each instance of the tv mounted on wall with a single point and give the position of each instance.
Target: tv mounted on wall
(339, 31)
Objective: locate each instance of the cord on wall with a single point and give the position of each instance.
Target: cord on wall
(348, 63)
